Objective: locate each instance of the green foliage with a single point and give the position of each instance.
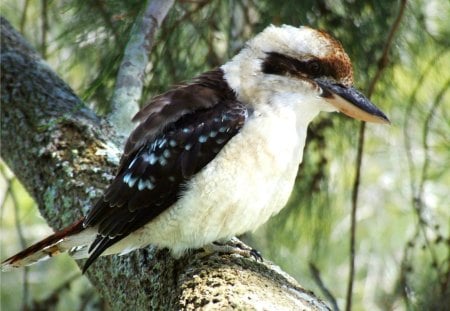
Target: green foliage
(403, 233)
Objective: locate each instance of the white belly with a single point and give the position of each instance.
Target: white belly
(249, 181)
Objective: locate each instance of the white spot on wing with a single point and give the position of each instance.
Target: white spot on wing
(129, 180)
(162, 161)
(152, 158)
(161, 142)
(141, 185)
(132, 162)
(126, 178)
(145, 184)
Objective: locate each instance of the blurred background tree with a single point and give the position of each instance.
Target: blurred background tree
(403, 216)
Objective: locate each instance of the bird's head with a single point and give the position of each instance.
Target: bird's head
(299, 65)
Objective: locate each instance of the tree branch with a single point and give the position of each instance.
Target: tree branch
(326, 292)
(65, 156)
(130, 79)
(382, 64)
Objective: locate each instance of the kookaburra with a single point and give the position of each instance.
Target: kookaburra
(216, 157)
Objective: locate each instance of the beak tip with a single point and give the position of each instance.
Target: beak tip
(383, 118)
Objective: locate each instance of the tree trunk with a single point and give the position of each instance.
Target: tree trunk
(65, 156)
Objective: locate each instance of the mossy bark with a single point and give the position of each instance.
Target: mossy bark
(65, 156)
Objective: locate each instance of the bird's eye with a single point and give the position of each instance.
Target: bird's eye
(314, 68)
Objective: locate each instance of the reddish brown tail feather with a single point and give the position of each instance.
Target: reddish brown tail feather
(44, 249)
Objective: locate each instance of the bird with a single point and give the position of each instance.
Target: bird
(217, 156)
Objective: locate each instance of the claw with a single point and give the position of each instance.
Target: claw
(233, 246)
(256, 255)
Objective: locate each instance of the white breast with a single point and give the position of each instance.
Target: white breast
(248, 181)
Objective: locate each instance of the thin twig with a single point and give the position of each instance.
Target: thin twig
(44, 28)
(425, 167)
(355, 190)
(407, 117)
(382, 64)
(23, 17)
(325, 291)
(9, 192)
(23, 244)
(130, 79)
(416, 185)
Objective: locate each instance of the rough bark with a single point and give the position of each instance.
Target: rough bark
(65, 155)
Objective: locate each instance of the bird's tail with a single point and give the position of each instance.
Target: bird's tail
(74, 239)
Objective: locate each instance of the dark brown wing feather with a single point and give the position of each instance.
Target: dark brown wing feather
(206, 91)
(177, 137)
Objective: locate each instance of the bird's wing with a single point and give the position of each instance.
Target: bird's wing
(176, 138)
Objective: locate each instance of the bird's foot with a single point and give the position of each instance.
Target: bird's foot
(233, 246)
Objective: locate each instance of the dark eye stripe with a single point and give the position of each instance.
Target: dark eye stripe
(283, 65)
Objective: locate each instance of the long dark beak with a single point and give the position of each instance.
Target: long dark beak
(351, 102)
